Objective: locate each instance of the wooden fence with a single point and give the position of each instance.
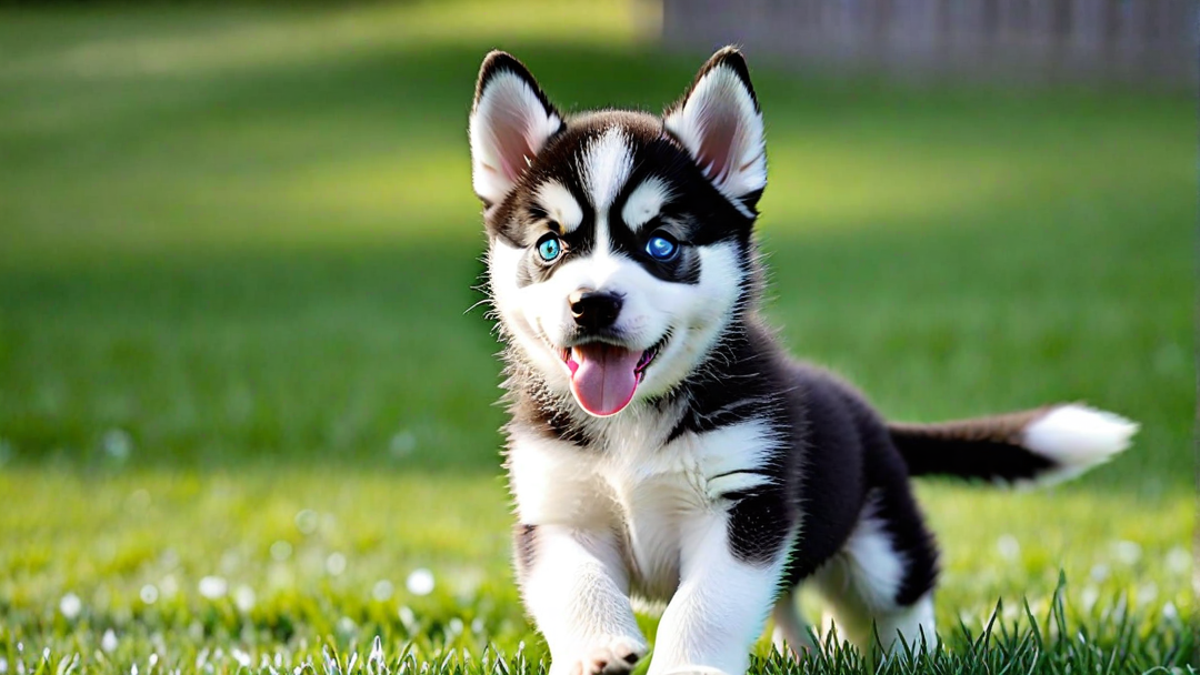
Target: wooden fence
(1150, 42)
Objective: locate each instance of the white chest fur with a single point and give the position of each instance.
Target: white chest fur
(637, 487)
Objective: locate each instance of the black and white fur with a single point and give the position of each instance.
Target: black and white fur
(735, 475)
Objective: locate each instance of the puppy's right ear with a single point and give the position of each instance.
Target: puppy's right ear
(510, 122)
(721, 126)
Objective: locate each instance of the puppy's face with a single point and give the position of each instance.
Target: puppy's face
(619, 241)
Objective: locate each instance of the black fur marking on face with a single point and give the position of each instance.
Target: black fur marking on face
(696, 215)
(683, 269)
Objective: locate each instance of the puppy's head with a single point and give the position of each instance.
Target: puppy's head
(619, 241)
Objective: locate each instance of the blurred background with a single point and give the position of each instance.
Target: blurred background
(246, 406)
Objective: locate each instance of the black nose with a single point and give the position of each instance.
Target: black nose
(594, 310)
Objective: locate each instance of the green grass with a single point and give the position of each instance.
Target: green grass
(236, 256)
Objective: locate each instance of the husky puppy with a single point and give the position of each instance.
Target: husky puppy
(662, 446)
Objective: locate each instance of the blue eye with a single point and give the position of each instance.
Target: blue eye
(662, 247)
(549, 247)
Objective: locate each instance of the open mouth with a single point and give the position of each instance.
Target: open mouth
(604, 377)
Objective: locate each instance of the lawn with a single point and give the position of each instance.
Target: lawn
(246, 411)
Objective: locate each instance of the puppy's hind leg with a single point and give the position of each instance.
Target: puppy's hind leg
(879, 588)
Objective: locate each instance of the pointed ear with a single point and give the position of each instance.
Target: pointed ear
(720, 124)
(510, 122)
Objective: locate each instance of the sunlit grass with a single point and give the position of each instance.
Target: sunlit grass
(355, 551)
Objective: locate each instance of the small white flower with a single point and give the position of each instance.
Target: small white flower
(281, 550)
(1008, 546)
(231, 560)
(335, 564)
(382, 591)
(1099, 572)
(168, 587)
(1088, 597)
(1146, 593)
(1127, 552)
(402, 444)
(420, 582)
(70, 605)
(117, 444)
(408, 618)
(1179, 561)
(149, 594)
(244, 598)
(109, 642)
(307, 521)
(213, 587)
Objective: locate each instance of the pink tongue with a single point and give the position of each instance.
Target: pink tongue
(603, 377)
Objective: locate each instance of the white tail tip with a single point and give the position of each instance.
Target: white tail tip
(1077, 438)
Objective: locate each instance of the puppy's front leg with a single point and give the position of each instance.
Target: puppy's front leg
(727, 587)
(576, 588)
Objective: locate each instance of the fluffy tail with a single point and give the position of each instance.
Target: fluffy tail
(1044, 446)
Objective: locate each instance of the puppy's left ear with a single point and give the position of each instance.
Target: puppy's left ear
(510, 122)
(720, 124)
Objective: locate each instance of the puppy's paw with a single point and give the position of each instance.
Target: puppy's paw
(610, 656)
